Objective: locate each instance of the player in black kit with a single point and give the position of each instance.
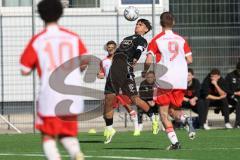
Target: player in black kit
(121, 74)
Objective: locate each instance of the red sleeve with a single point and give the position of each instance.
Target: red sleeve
(101, 70)
(82, 48)
(153, 49)
(187, 49)
(28, 59)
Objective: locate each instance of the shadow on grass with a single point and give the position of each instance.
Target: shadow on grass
(90, 141)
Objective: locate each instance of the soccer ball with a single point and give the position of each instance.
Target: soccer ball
(131, 13)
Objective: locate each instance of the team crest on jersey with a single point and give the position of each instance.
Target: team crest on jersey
(131, 87)
(126, 44)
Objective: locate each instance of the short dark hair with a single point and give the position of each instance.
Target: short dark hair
(50, 10)
(150, 72)
(167, 19)
(215, 71)
(190, 70)
(111, 42)
(147, 23)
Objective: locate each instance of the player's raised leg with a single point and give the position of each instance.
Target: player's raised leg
(142, 104)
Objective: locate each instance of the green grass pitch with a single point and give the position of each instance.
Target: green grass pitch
(209, 145)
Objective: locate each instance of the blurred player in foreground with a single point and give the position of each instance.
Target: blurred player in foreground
(121, 99)
(46, 51)
(173, 52)
(121, 74)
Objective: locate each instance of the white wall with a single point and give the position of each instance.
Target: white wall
(95, 27)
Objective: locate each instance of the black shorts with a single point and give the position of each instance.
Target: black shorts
(119, 78)
(108, 86)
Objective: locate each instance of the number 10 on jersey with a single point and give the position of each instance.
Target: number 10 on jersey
(57, 56)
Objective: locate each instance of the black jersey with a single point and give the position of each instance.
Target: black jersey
(121, 74)
(146, 90)
(132, 47)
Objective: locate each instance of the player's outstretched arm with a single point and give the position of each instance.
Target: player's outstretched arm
(147, 64)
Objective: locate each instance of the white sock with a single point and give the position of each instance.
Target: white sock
(172, 137)
(71, 145)
(50, 150)
(109, 127)
(140, 126)
(135, 123)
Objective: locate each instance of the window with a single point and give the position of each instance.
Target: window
(84, 3)
(15, 3)
(136, 2)
(70, 3)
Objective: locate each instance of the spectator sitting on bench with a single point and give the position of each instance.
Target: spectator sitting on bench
(233, 83)
(213, 91)
(146, 94)
(192, 96)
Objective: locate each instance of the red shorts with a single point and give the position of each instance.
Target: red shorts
(173, 97)
(122, 100)
(55, 126)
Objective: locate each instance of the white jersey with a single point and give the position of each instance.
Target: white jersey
(46, 51)
(105, 66)
(171, 50)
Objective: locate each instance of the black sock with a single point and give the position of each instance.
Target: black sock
(109, 122)
(149, 112)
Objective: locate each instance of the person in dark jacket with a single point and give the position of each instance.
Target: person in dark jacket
(192, 98)
(233, 83)
(214, 92)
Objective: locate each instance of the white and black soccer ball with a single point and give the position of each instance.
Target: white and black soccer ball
(131, 13)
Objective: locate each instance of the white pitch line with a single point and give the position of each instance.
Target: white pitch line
(24, 155)
(182, 149)
(130, 158)
(105, 157)
(209, 149)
